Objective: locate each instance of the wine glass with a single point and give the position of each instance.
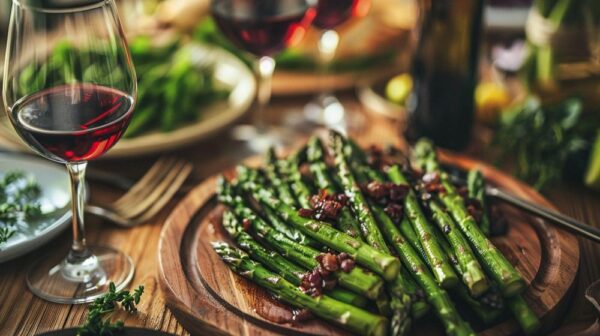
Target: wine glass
(262, 28)
(325, 108)
(69, 90)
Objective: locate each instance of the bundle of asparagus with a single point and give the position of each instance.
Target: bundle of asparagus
(366, 242)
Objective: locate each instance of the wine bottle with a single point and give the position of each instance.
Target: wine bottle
(444, 71)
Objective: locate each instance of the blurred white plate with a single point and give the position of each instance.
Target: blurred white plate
(55, 200)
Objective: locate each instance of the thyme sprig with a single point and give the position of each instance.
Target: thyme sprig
(98, 321)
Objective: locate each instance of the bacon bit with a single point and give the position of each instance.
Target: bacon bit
(330, 262)
(327, 206)
(306, 213)
(312, 283)
(395, 211)
(383, 192)
(343, 256)
(319, 258)
(323, 271)
(376, 190)
(429, 185)
(246, 224)
(321, 277)
(347, 265)
(398, 192)
(342, 199)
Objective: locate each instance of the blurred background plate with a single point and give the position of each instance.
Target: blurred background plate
(55, 200)
(229, 72)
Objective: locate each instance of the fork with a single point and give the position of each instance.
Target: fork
(148, 196)
(582, 229)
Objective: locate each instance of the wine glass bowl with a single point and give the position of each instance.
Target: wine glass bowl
(332, 13)
(69, 90)
(262, 28)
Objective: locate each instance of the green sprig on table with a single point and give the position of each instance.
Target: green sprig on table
(19, 201)
(98, 322)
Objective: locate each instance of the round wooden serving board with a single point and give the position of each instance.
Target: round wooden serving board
(206, 297)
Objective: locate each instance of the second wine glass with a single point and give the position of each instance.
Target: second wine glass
(325, 108)
(262, 28)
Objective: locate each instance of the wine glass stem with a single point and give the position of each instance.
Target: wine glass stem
(79, 250)
(328, 43)
(264, 72)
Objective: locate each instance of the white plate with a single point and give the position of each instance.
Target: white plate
(229, 72)
(55, 200)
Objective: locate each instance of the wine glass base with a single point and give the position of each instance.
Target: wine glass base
(259, 139)
(66, 282)
(326, 110)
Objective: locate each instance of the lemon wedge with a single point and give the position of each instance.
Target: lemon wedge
(398, 88)
(490, 99)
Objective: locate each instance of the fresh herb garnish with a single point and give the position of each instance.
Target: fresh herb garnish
(19, 201)
(541, 139)
(98, 322)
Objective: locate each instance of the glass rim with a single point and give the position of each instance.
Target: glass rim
(74, 9)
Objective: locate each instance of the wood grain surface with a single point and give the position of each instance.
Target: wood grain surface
(201, 289)
(21, 313)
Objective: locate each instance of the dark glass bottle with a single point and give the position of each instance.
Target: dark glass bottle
(445, 72)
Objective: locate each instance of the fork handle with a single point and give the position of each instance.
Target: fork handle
(578, 227)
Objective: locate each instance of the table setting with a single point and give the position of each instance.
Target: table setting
(300, 167)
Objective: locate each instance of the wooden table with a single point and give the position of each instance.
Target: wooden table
(21, 313)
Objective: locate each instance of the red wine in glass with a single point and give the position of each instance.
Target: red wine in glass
(263, 28)
(75, 122)
(331, 13)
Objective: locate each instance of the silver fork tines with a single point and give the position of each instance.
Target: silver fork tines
(148, 196)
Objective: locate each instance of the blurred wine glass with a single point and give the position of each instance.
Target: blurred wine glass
(326, 109)
(262, 28)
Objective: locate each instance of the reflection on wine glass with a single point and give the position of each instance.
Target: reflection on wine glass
(69, 90)
(262, 28)
(325, 108)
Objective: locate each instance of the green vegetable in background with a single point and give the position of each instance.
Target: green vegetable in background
(19, 201)
(542, 139)
(171, 87)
